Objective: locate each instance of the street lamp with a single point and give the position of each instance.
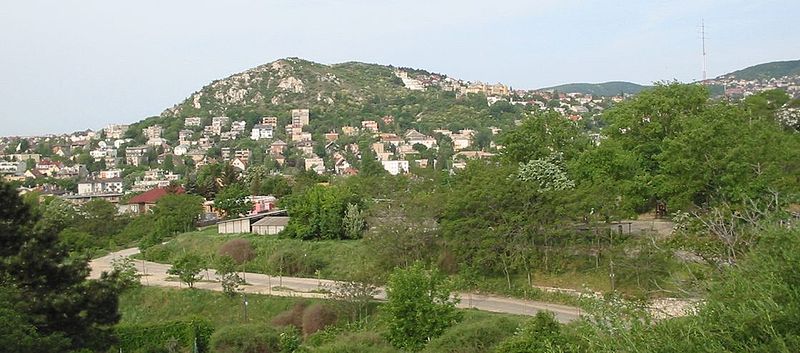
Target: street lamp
(244, 300)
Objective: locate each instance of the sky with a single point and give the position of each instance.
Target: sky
(68, 65)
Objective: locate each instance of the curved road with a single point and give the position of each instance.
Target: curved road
(155, 274)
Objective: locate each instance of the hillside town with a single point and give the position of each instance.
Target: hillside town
(122, 159)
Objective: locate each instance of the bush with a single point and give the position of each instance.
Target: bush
(240, 250)
(291, 317)
(251, 338)
(316, 317)
(479, 336)
(305, 318)
(156, 337)
(360, 342)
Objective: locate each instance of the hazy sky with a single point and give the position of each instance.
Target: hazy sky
(70, 65)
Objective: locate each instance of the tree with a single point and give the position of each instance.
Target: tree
(187, 267)
(124, 273)
(541, 135)
(17, 330)
(353, 222)
(169, 164)
(318, 212)
(175, 213)
(354, 297)
(419, 306)
(59, 300)
(233, 200)
(100, 218)
(228, 276)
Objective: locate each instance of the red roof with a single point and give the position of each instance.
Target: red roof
(150, 197)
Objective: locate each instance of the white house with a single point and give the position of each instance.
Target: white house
(316, 164)
(180, 150)
(395, 167)
(100, 186)
(261, 131)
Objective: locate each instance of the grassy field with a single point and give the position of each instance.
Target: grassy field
(153, 305)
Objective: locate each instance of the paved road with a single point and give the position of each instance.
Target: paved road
(155, 274)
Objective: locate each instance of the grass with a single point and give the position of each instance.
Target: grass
(340, 259)
(335, 259)
(152, 305)
(145, 305)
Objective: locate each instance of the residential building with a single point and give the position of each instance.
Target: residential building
(395, 167)
(193, 121)
(277, 147)
(143, 203)
(220, 120)
(242, 154)
(185, 135)
(109, 174)
(300, 117)
(115, 131)
(306, 147)
(261, 131)
(349, 130)
(181, 149)
(331, 136)
(415, 137)
(239, 126)
(270, 120)
(136, 156)
(461, 141)
(100, 186)
(154, 178)
(239, 164)
(12, 168)
(48, 167)
(152, 132)
(303, 136)
(370, 125)
(316, 164)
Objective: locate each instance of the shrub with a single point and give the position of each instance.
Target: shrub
(251, 338)
(291, 317)
(361, 342)
(240, 250)
(473, 337)
(316, 317)
(156, 337)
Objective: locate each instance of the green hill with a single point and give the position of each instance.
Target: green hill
(337, 95)
(767, 70)
(606, 89)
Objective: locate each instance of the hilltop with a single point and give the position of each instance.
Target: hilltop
(605, 89)
(775, 69)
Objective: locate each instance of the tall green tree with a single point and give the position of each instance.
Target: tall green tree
(419, 307)
(318, 212)
(233, 200)
(59, 299)
(175, 213)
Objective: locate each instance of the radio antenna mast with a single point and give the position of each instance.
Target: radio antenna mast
(703, 43)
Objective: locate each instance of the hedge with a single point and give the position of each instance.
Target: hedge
(155, 337)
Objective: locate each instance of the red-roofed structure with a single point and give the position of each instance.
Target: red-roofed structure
(144, 202)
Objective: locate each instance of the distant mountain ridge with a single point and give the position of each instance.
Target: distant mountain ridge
(605, 89)
(769, 70)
